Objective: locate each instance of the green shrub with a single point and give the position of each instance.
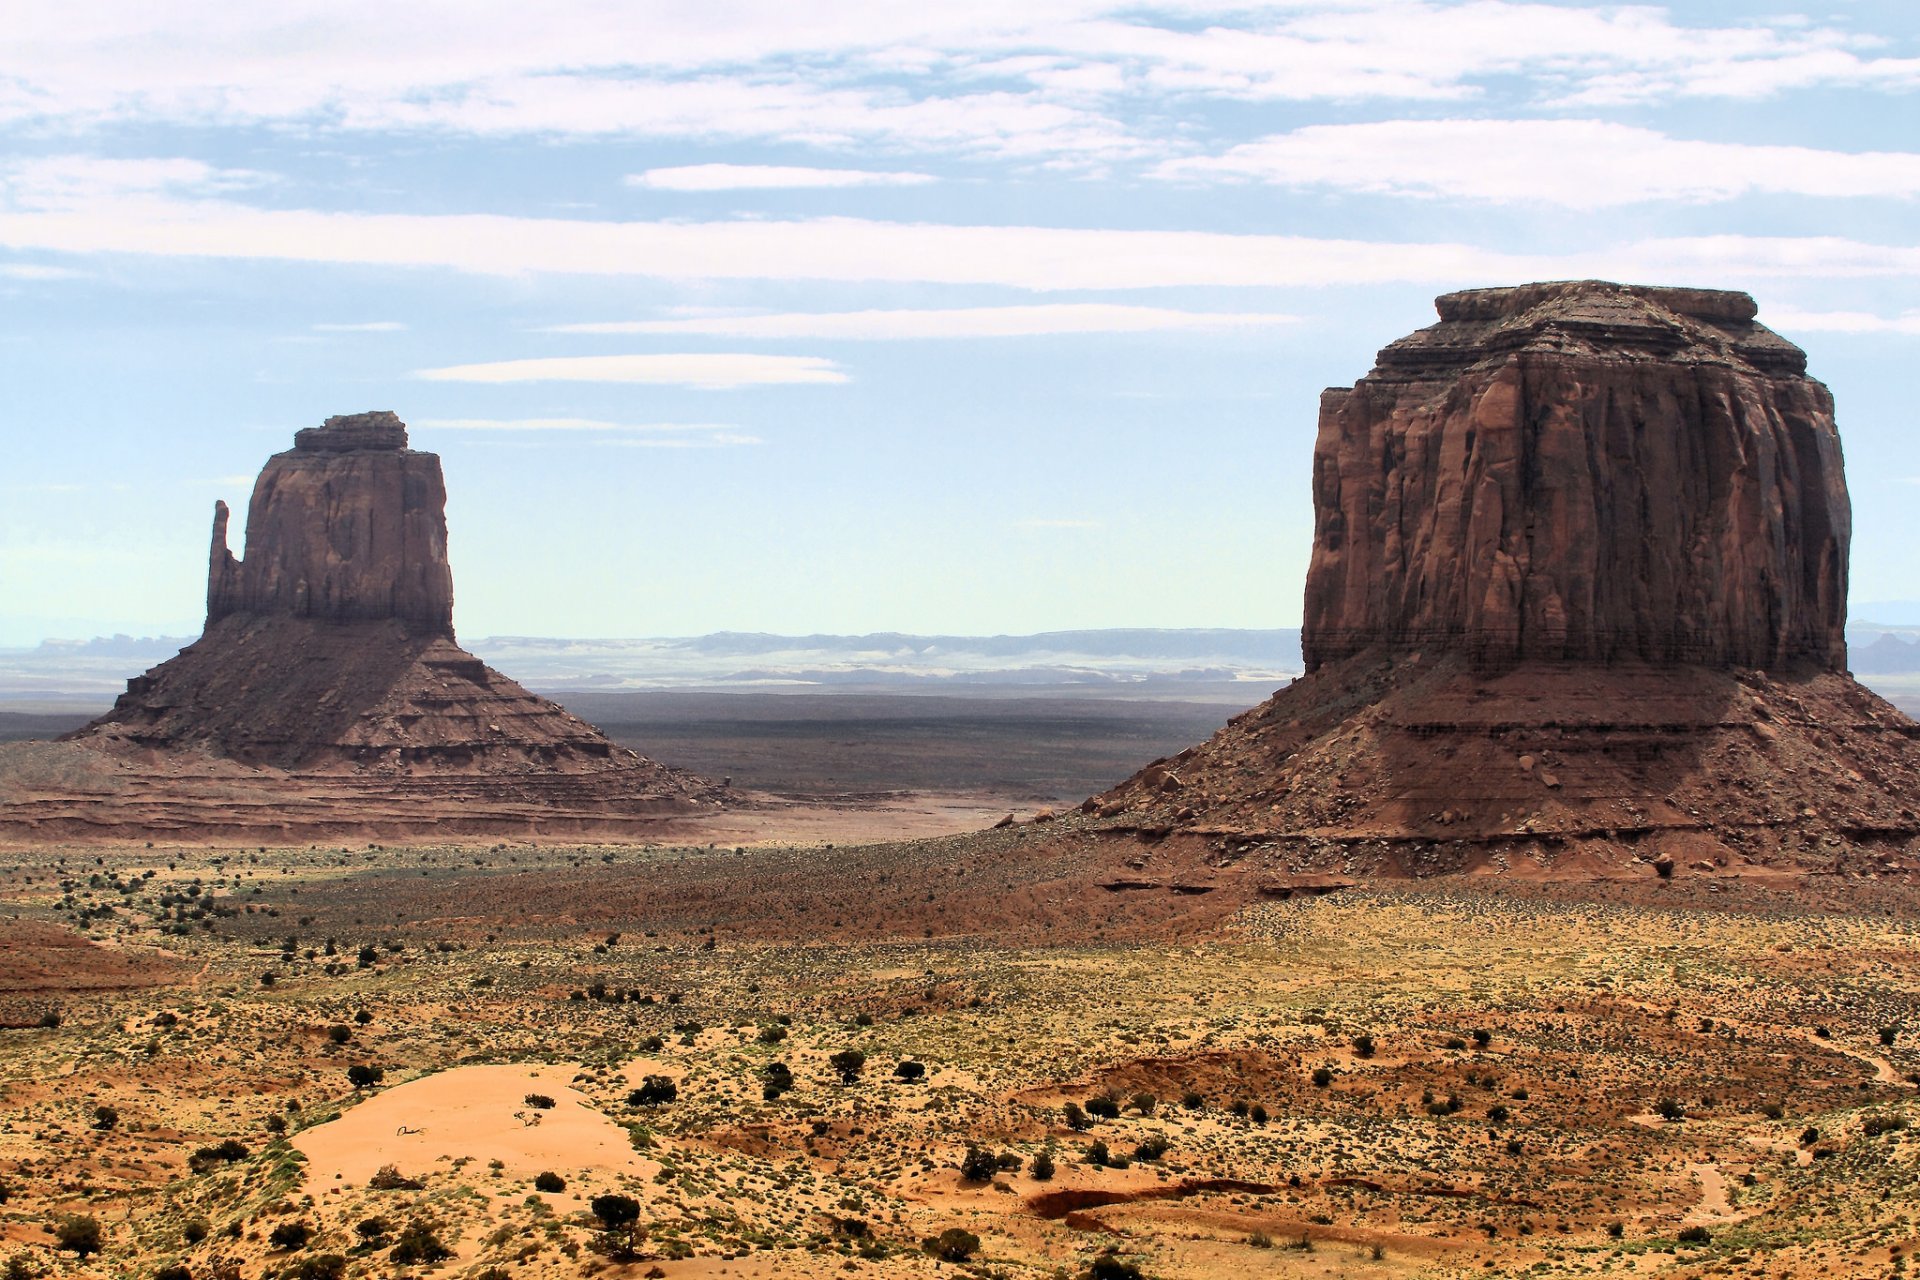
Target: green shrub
(654, 1091)
(290, 1235)
(1108, 1266)
(978, 1165)
(78, 1233)
(418, 1245)
(955, 1244)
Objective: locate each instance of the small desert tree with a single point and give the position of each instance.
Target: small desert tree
(619, 1218)
(849, 1063)
(955, 1244)
(654, 1091)
(978, 1165)
(78, 1233)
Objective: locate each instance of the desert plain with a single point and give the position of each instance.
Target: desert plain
(273, 1061)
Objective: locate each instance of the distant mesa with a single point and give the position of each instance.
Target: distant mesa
(1575, 607)
(327, 693)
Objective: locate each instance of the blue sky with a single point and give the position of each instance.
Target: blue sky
(971, 318)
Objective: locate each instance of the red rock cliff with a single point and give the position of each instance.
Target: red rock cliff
(1582, 470)
(347, 526)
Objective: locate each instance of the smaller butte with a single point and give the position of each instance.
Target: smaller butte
(328, 695)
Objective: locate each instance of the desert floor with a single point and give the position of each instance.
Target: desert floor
(1405, 1080)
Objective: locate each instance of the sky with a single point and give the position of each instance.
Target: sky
(971, 318)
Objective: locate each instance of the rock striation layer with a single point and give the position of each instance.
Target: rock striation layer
(1574, 611)
(1582, 471)
(327, 693)
(348, 525)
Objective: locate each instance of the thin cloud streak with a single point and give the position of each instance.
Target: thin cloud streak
(704, 371)
(1578, 164)
(562, 424)
(854, 249)
(750, 177)
(958, 322)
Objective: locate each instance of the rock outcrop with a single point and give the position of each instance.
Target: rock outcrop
(1575, 610)
(349, 525)
(327, 693)
(1582, 471)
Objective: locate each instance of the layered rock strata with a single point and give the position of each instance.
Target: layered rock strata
(1582, 471)
(1575, 608)
(328, 694)
(349, 525)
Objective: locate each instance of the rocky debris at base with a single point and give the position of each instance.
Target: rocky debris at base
(328, 668)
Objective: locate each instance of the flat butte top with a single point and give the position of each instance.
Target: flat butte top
(1591, 320)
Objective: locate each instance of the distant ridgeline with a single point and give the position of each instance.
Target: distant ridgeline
(96, 669)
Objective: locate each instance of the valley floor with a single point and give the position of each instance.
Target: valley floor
(1426, 1079)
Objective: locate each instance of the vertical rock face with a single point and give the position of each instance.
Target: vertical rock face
(326, 693)
(1582, 471)
(347, 526)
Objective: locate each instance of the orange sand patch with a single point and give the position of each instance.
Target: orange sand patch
(476, 1112)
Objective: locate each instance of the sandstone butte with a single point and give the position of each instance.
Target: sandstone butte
(327, 694)
(1575, 608)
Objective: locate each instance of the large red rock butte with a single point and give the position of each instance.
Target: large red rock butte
(1575, 607)
(1582, 471)
(328, 695)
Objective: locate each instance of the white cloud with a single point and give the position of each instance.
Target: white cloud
(959, 322)
(707, 371)
(1055, 80)
(369, 326)
(1057, 524)
(75, 181)
(563, 424)
(36, 271)
(744, 177)
(852, 249)
(1584, 164)
(1790, 320)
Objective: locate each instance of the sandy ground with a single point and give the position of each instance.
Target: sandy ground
(1432, 1152)
(473, 1113)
